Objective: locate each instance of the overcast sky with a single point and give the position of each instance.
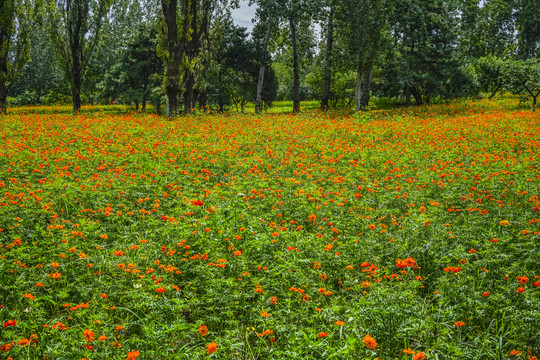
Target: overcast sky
(244, 14)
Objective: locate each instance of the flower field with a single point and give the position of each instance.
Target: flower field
(408, 234)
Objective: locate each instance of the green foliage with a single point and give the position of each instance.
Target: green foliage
(416, 226)
(523, 77)
(490, 74)
(236, 68)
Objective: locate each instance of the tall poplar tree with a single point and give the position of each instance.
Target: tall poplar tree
(75, 27)
(15, 22)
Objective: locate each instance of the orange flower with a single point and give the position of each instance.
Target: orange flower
(132, 355)
(312, 217)
(369, 342)
(340, 323)
(274, 300)
(203, 330)
(514, 352)
(266, 332)
(408, 351)
(29, 296)
(23, 342)
(419, 356)
(88, 335)
(322, 334)
(264, 314)
(459, 323)
(212, 347)
(160, 290)
(55, 275)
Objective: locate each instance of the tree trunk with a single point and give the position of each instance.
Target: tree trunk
(417, 96)
(158, 107)
(358, 88)
(203, 100)
(408, 95)
(143, 105)
(328, 62)
(296, 66)
(366, 87)
(175, 55)
(192, 51)
(76, 76)
(3, 101)
(188, 93)
(260, 82)
(76, 94)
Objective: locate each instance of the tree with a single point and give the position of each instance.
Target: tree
(266, 22)
(362, 25)
(41, 77)
(327, 77)
(528, 26)
(75, 27)
(490, 71)
(137, 74)
(15, 23)
(236, 69)
(523, 77)
(425, 61)
(185, 33)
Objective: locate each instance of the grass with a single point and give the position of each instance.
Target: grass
(397, 234)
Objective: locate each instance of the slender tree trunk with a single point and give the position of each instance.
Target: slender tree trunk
(3, 102)
(328, 62)
(417, 96)
(262, 68)
(296, 66)
(158, 107)
(76, 75)
(175, 55)
(192, 51)
(358, 88)
(76, 44)
(188, 93)
(203, 100)
(408, 95)
(366, 87)
(76, 94)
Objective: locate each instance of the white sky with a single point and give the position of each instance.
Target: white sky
(244, 14)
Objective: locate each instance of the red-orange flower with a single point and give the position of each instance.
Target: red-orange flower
(88, 335)
(10, 323)
(132, 355)
(369, 342)
(419, 356)
(212, 347)
(203, 330)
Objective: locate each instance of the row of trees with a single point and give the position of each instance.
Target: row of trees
(189, 53)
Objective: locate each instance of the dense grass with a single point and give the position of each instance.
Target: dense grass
(395, 234)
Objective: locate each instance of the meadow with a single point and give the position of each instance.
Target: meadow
(394, 234)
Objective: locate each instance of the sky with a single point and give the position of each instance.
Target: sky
(244, 14)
